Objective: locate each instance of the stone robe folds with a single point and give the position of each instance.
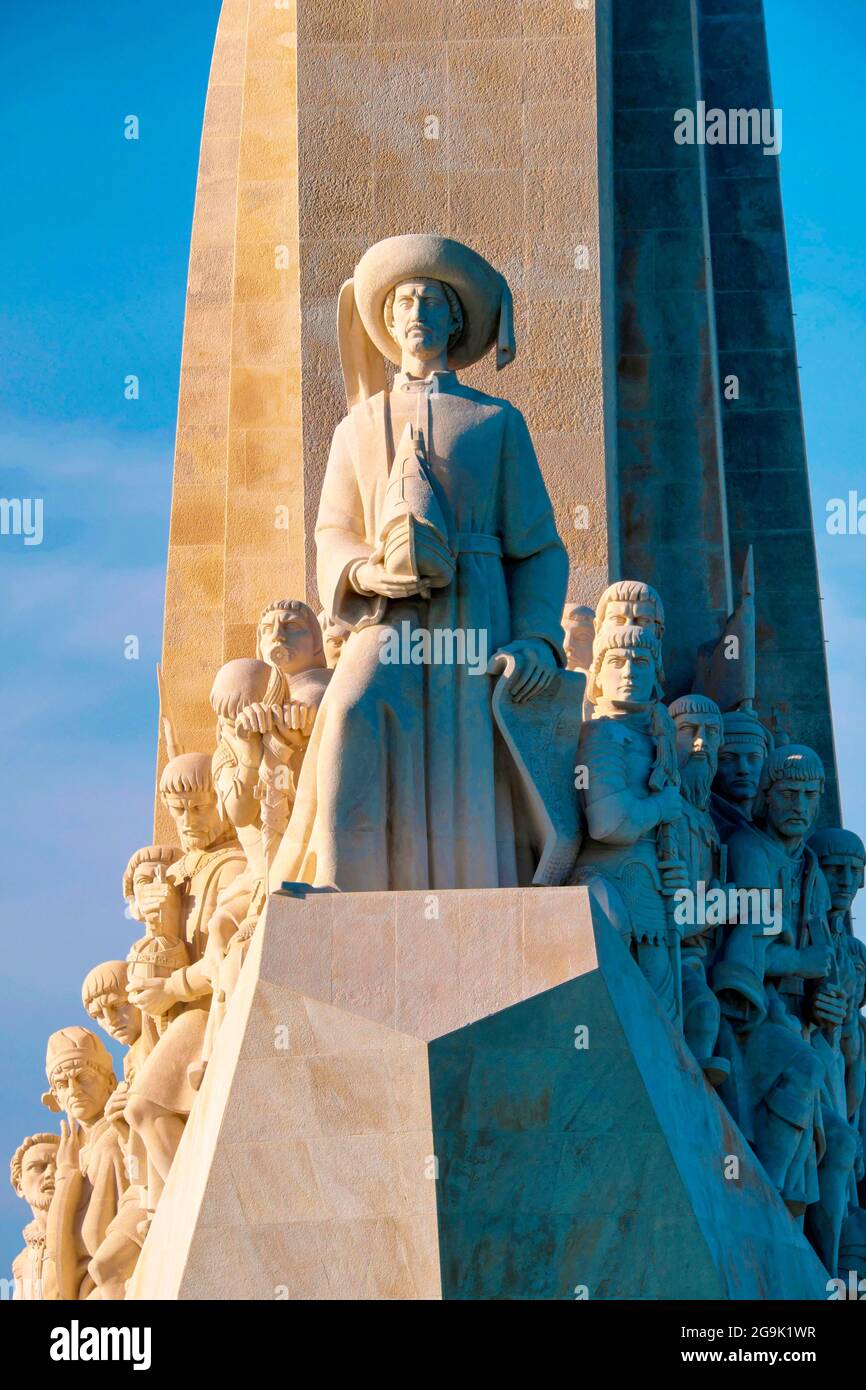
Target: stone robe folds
(406, 784)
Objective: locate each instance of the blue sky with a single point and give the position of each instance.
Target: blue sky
(93, 253)
(93, 256)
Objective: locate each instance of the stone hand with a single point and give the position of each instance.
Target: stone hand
(255, 719)
(829, 1007)
(814, 962)
(669, 804)
(372, 578)
(534, 668)
(293, 723)
(674, 875)
(69, 1148)
(160, 905)
(116, 1104)
(245, 738)
(152, 997)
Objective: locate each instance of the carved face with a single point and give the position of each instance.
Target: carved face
(624, 613)
(422, 320)
(699, 737)
(81, 1090)
(792, 807)
(579, 630)
(739, 772)
(844, 875)
(116, 1016)
(37, 1175)
(196, 816)
(285, 641)
(143, 876)
(627, 677)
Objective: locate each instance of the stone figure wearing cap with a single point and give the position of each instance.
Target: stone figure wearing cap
(104, 996)
(698, 724)
(841, 855)
(631, 798)
(772, 978)
(32, 1173)
(186, 906)
(433, 518)
(91, 1174)
(746, 745)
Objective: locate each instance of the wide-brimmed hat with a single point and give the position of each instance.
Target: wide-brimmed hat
(364, 338)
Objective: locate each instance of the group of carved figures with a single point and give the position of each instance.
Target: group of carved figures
(339, 770)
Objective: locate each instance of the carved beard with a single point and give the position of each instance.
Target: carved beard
(42, 1203)
(697, 778)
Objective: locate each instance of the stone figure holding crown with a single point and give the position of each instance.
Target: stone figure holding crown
(434, 516)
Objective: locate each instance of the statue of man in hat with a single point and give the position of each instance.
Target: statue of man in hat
(435, 536)
(91, 1175)
(746, 745)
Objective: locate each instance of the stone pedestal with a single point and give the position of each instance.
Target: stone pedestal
(462, 1095)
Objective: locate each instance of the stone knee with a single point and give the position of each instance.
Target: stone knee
(843, 1143)
(793, 1096)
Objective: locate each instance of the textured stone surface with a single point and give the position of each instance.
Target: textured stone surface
(396, 1108)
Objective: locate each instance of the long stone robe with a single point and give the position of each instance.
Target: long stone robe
(406, 783)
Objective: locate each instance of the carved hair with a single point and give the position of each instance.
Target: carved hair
(294, 605)
(188, 772)
(622, 639)
(834, 842)
(17, 1161)
(695, 704)
(630, 591)
(108, 978)
(453, 303)
(794, 762)
(150, 854)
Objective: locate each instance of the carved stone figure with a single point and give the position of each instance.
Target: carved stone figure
(765, 980)
(32, 1173)
(333, 636)
(104, 996)
(578, 626)
(406, 783)
(842, 856)
(91, 1175)
(698, 724)
(630, 603)
(263, 735)
(632, 802)
(746, 745)
(185, 905)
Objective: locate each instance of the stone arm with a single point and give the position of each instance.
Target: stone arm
(738, 976)
(615, 813)
(61, 1238)
(536, 562)
(196, 981)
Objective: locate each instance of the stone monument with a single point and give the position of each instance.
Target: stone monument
(491, 946)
